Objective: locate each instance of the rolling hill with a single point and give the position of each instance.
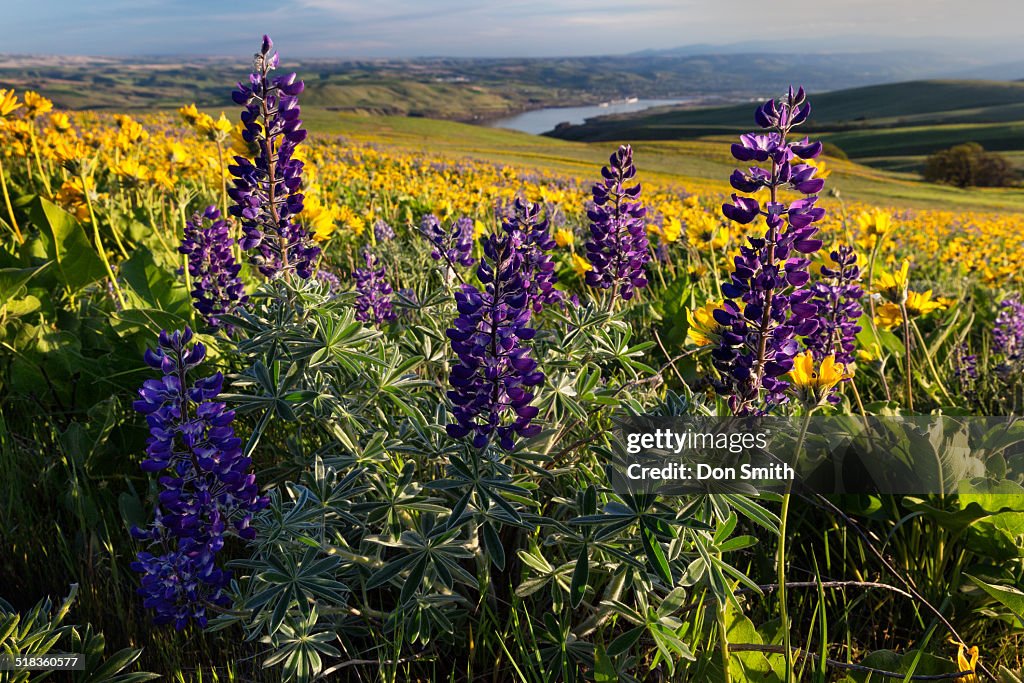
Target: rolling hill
(890, 126)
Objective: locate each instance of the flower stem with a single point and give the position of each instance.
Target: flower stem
(99, 243)
(907, 364)
(780, 558)
(723, 639)
(7, 202)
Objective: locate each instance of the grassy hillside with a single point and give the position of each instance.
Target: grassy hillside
(702, 165)
(886, 125)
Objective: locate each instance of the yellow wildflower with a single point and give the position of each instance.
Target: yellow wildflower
(580, 265)
(888, 315)
(222, 125)
(704, 330)
(564, 237)
(870, 354)
(921, 303)
(813, 385)
(8, 102)
(189, 114)
(131, 171)
(175, 153)
(965, 664)
(873, 226)
(61, 122)
(71, 197)
(893, 286)
(671, 230)
(36, 105)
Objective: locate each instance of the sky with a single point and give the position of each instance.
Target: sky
(509, 28)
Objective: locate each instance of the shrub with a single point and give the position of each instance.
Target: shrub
(969, 165)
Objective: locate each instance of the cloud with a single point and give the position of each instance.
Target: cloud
(488, 27)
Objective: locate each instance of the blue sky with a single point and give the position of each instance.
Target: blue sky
(403, 28)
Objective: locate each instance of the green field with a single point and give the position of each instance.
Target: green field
(684, 162)
(888, 126)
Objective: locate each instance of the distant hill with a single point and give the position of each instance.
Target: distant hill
(475, 89)
(890, 125)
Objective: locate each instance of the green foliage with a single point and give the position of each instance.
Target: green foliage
(968, 165)
(41, 631)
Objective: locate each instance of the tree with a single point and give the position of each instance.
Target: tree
(969, 165)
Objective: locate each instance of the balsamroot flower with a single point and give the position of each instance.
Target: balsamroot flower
(492, 380)
(208, 489)
(216, 287)
(837, 295)
(767, 304)
(373, 303)
(617, 249)
(703, 329)
(538, 268)
(454, 246)
(268, 189)
(814, 382)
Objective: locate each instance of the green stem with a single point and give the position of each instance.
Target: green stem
(909, 385)
(99, 242)
(723, 640)
(7, 202)
(780, 559)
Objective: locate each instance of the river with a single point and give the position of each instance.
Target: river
(543, 120)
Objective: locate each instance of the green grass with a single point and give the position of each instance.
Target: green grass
(687, 163)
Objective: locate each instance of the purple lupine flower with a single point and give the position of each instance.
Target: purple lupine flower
(1008, 338)
(216, 287)
(492, 381)
(617, 248)
(383, 232)
(208, 489)
(267, 190)
(454, 246)
(538, 268)
(965, 370)
(1008, 333)
(179, 584)
(373, 302)
(767, 304)
(837, 295)
(328, 278)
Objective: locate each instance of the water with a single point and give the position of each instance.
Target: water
(542, 120)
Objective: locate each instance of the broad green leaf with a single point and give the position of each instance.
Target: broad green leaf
(154, 286)
(1008, 596)
(67, 246)
(13, 279)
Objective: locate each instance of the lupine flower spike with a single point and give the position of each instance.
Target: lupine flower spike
(216, 288)
(618, 248)
(493, 379)
(207, 487)
(767, 305)
(373, 303)
(267, 190)
(538, 269)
